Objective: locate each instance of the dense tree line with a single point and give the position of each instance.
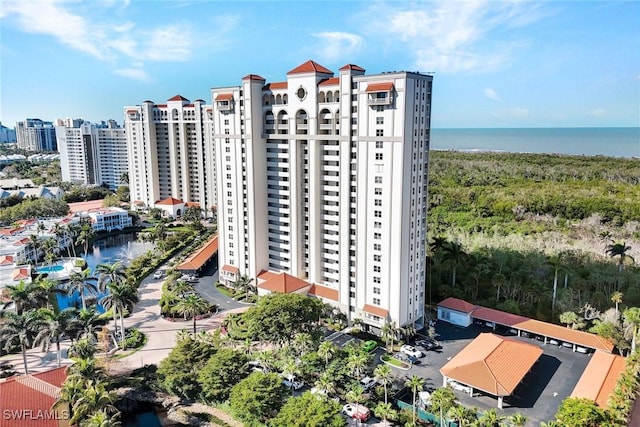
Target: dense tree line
(33, 208)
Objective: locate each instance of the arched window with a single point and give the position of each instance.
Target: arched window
(269, 122)
(285, 99)
(329, 97)
(265, 99)
(174, 114)
(336, 96)
(301, 122)
(272, 99)
(278, 99)
(321, 97)
(282, 124)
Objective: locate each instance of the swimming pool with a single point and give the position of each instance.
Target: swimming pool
(50, 268)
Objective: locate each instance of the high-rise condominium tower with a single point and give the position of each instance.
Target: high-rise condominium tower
(36, 135)
(325, 178)
(170, 152)
(92, 154)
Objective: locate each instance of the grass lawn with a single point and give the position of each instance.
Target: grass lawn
(394, 362)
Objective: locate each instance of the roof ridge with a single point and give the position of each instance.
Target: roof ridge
(40, 386)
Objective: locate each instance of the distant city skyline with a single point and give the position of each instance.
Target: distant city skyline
(496, 63)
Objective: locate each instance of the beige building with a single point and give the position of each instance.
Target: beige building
(170, 152)
(324, 177)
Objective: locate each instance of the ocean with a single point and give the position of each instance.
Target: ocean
(612, 142)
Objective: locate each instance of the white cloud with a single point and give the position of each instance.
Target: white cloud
(133, 73)
(450, 36)
(597, 112)
(334, 44)
(491, 94)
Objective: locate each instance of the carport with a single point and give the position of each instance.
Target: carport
(200, 258)
(492, 364)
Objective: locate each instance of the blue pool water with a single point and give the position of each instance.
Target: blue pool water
(50, 269)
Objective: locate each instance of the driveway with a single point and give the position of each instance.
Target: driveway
(207, 289)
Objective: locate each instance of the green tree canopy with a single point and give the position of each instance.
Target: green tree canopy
(579, 412)
(225, 369)
(258, 397)
(308, 410)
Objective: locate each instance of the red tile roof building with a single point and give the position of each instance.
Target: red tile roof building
(600, 377)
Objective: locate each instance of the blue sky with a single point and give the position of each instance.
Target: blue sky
(496, 63)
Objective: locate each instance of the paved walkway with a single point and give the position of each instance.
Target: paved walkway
(161, 334)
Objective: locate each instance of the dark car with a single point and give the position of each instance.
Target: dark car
(428, 344)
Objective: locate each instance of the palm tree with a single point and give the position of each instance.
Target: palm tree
(50, 289)
(94, 398)
(181, 287)
(632, 325)
(490, 418)
(244, 283)
(290, 370)
(266, 359)
(84, 237)
(616, 298)
(110, 273)
(415, 384)
(122, 296)
(325, 383)
(50, 248)
(454, 255)
(87, 369)
(302, 343)
(462, 415)
(388, 334)
(192, 306)
(355, 395)
(80, 282)
(409, 331)
(85, 323)
(36, 245)
(25, 296)
(442, 400)
(326, 349)
(18, 329)
(54, 325)
(82, 349)
(518, 420)
(384, 411)
(619, 250)
(556, 263)
(357, 361)
(384, 374)
(102, 419)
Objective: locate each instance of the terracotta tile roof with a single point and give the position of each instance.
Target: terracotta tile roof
(493, 364)
(600, 377)
(275, 86)
(84, 206)
(379, 87)
(457, 305)
(253, 77)
(310, 67)
(377, 311)
(497, 316)
(230, 268)
(191, 204)
(330, 82)
(566, 334)
(196, 260)
(22, 241)
(161, 106)
(351, 67)
(324, 292)
(25, 222)
(284, 283)
(131, 111)
(170, 201)
(266, 275)
(10, 231)
(20, 274)
(199, 100)
(32, 395)
(178, 98)
(224, 97)
(6, 259)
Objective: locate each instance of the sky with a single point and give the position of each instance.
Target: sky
(495, 63)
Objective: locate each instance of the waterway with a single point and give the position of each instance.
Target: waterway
(123, 247)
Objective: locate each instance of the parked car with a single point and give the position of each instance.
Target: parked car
(411, 351)
(158, 274)
(428, 345)
(290, 382)
(189, 278)
(369, 346)
(358, 412)
(368, 383)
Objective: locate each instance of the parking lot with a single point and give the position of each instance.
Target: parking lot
(551, 380)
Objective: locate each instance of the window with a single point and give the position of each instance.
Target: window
(378, 191)
(377, 258)
(377, 236)
(379, 144)
(376, 301)
(228, 193)
(379, 168)
(379, 132)
(377, 214)
(226, 121)
(226, 131)
(379, 120)
(378, 202)
(376, 280)
(376, 269)
(378, 180)
(377, 247)
(227, 149)
(377, 224)
(376, 290)
(379, 156)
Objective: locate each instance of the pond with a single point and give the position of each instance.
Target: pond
(122, 247)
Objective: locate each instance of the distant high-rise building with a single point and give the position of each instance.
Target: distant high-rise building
(92, 155)
(36, 135)
(170, 152)
(7, 135)
(325, 178)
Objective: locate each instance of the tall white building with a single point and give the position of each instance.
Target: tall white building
(325, 178)
(170, 152)
(92, 154)
(36, 135)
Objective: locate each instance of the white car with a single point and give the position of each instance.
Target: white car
(368, 383)
(158, 274)
(296, 385)
(189, 278)
(359, 412)
(411, 351)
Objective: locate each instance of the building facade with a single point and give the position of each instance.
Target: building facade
(92, 154)
(36, 135)
(324, 178)
(7, 135)
(170, 152)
